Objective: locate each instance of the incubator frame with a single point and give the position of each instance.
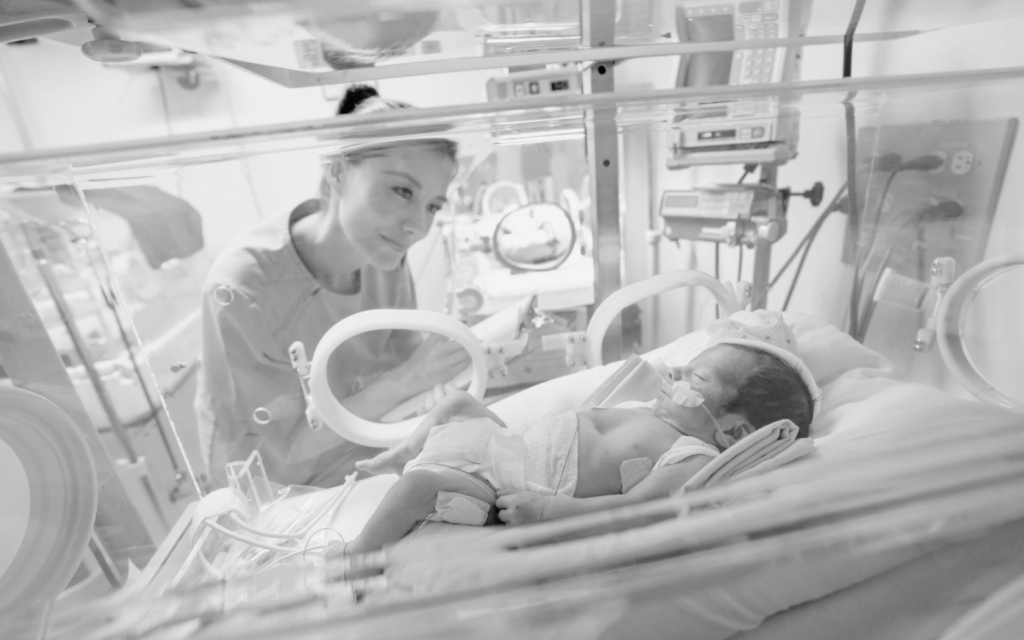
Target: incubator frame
(952, 316)
(599, 108)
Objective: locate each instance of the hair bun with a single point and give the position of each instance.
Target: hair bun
(356, 95)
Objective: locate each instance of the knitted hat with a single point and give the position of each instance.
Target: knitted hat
(766, 331)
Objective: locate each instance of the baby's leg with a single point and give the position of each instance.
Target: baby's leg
(410, 501)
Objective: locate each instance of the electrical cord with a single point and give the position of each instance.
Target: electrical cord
(800, 267)
(717, 276)
(809, 236)
(812, 234)
(942, 211)
(858, 283)
(851, 162)
(922, 163)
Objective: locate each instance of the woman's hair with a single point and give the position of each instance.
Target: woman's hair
(770, 391)
(360, 99)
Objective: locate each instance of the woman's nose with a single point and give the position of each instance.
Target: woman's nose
(416, 227)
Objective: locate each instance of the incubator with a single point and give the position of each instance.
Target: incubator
(630, 173)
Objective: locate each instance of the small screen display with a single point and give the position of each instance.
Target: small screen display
(707, 68)
(680, 201)
(559, 85)
(720, 134)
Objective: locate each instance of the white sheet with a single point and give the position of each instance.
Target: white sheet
(867, 408)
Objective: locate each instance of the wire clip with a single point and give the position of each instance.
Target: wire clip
(943, 273)
(297, 355)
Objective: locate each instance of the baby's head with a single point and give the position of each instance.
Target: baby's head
(749, 377)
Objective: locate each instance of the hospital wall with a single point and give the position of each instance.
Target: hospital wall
(824, 284)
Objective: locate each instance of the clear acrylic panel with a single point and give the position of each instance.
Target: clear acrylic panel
(310, 42)
(108, 252)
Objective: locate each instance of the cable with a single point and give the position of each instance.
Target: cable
(947, 210)
(858, 283)
(231, 534)
(923, 163)
(869, 302)
(717, 276)
(739, 265)
(851, 29)
(809, 236)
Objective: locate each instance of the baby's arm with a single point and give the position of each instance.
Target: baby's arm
(457, 406)
(527, 507)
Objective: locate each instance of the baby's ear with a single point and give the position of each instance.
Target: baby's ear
(735, 432)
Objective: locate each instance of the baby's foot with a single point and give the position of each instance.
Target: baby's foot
(390, 461)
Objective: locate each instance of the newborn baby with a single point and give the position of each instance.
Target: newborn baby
(584, 461)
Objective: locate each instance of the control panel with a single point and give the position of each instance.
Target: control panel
(758, 132)
(732, 214)
(744, 131)
(716, 202)
(541, 82)
(714, 20)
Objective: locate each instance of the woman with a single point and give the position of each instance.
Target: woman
(291, 279)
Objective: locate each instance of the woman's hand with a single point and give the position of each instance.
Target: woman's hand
(436, 361)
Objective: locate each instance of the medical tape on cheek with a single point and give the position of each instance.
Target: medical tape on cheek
(457, 508)
(633, 471)
(683, 394)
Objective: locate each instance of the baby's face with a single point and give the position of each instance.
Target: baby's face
(715, 373)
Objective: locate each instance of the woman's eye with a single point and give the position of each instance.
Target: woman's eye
(434, 208)
(403, 192)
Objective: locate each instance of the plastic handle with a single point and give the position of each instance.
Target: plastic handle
(616, 302)
(950, 329)
(367, 432)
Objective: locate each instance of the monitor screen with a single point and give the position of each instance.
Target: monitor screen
(709, 68)
(681, 201)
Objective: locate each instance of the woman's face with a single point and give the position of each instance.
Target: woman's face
(387, 203)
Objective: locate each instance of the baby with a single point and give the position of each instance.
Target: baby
(578, 462)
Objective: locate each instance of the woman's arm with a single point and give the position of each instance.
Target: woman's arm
(457, 406)
(528, 507)
(435, 361)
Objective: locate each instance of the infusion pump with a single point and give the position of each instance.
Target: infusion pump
(746, 131)
(721, 21)
(742, 132)
(732, 214)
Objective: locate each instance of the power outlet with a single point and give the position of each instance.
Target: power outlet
(975, 155)
(962, 162)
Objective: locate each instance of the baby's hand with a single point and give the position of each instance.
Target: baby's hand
(523, 508)
(390, 461)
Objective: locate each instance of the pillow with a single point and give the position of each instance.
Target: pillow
(829, 353)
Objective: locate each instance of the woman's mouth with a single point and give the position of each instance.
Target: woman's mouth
(397, 246)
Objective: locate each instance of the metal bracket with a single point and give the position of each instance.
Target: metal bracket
(943, 273)
(573, 342)
(499, 353)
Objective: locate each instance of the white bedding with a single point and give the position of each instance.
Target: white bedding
(867, 408)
